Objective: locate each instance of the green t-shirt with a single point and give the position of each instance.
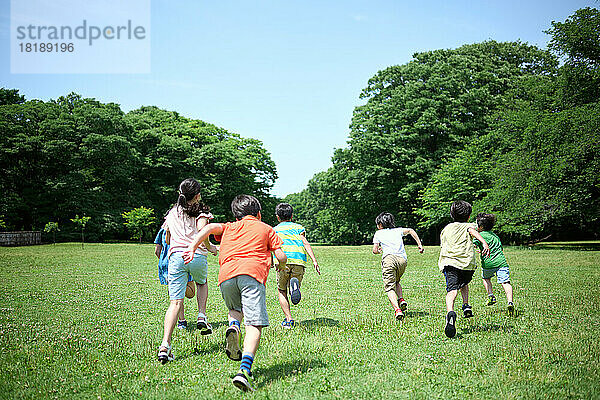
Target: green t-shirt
(496, 258)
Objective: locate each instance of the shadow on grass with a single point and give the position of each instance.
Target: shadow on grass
(192, 327)
(502, 311)
(410, 314)
(200, 350)
(285, 369)
(311, 323)
(486, 328)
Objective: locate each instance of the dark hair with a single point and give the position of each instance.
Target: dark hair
(460, 211)
(244, 205)
(188, 189)
(486, 221)
(386, 220)
(284, 211)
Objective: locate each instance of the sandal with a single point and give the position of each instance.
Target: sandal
(165, 354)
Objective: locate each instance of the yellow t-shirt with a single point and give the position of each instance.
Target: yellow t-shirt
(457, 249)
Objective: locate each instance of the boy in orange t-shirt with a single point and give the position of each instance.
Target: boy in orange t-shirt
(244, 260)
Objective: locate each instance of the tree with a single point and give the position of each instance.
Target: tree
(81, 223)
(78, 155)
(52, 227)
(416, 116)
(537, 167)
(138, 220)
(10, 96)
(577, 41)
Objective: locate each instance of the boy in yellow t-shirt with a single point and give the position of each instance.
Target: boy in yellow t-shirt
(295, 247)
(457, 260)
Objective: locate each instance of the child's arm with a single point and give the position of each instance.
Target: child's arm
(411, 232)
(157, 250)
(201, 223)
(310, 252)
(281, 257)
(375, 248)
(485, 251)
(210, 229)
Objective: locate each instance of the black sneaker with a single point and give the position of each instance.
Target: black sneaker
(450, 330)
(182, 324)
(511, 308)
(243, 381)
(467, 310)
(295, 290)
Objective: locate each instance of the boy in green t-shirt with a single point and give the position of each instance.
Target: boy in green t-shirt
(495, 263)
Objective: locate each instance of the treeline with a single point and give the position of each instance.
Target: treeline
(509, 127)
(75, 156)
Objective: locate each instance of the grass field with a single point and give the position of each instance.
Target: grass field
(87, 324)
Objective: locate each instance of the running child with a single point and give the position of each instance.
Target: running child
(162, 252)
(496, 263)
(295, 246)
(457, 260)
(245, 260)
(388, 240)
(184, 221)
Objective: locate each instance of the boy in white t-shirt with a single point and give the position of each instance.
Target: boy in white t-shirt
(388, 240)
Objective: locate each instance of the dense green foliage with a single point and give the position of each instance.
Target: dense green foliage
(537, 168)
(500, 124)
(87, 324)
(79, 156)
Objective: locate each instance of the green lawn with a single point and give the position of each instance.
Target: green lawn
(87, 324)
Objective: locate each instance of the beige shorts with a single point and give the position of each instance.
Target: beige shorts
(392, 269)
(290, 271)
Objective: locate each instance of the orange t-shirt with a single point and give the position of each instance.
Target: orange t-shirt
(246, 247)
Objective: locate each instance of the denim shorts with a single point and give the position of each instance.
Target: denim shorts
(178, 273)
(501, 273)
(246, 294)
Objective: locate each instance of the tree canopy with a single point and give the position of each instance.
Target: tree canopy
(76, 155)
(503, 125)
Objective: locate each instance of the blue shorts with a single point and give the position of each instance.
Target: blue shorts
(501, 272)
(163, 274)
(178, 273)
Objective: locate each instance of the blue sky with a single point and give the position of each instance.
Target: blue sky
(287, 73)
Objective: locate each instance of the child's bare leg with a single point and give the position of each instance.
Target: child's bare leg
(235, 315)
(285, 304)
(393, 298)
(181, 315)
(171, 319)
(464, 292)
(252, 339)
(201, 297)
(487, 283)
(509, 291)
(399, 290)
(450, 297)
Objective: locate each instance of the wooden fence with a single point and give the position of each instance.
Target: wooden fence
(22, 238)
